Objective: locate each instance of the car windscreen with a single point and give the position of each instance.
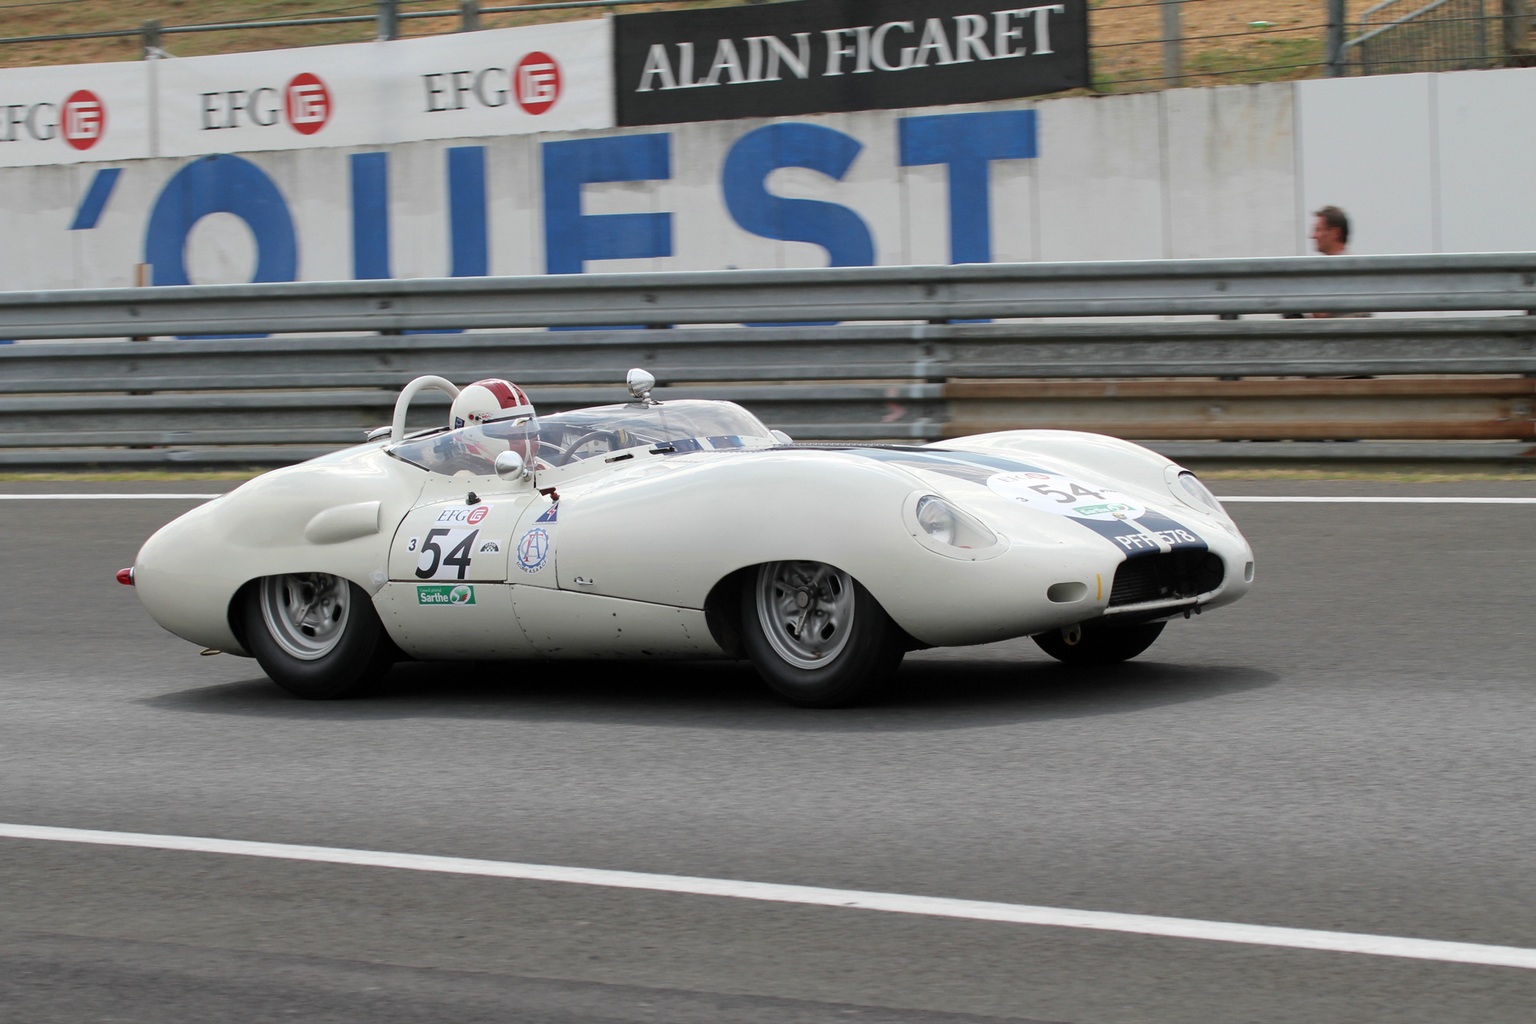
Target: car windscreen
(675, 426)
(465, 450)
(568, 437)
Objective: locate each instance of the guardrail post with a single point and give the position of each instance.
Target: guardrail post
(1173, 56)
(1519, 48)
(469, 15)
(1335, 45)
(149, 33)
(389, 19)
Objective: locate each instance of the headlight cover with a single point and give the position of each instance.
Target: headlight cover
(1189, 489)
(939, 525)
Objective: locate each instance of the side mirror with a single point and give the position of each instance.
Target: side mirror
(640, 383)
(510, 466)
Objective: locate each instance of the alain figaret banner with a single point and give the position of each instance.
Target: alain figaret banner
(819, 56)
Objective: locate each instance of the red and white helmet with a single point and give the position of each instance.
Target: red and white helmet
(498, 416)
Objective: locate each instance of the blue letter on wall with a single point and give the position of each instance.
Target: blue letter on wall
(572, 238)
(370, 216)
(967, 144)
(220, 184)
(759, 153)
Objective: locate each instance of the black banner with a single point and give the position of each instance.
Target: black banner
(814, 56)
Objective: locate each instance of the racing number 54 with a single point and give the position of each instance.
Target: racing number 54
(457, 557)
(1078, 491)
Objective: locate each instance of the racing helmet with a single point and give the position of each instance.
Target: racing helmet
(496, 417)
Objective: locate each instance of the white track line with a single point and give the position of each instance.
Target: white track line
(102, 497)
(848, 899)
(1372, 500)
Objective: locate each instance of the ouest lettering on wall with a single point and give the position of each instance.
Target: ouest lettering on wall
(561, 205)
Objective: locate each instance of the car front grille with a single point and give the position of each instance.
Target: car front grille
(1163, 577)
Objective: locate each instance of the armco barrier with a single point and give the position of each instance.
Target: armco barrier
(1410, 388)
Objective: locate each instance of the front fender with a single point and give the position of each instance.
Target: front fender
(334, 515)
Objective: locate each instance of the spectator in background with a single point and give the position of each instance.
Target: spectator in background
(1330, 236)
(1330, 231)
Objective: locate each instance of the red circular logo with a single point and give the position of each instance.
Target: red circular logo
(84, 119)
(536, 82)
(308, 103)
(478, 514)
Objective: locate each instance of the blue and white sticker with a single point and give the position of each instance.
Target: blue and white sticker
(550, 514)
(533, 550)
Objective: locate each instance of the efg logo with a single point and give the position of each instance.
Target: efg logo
(537, 80)
(305, 102)
(81, 120)
(308, 102)
(534, 82)
(84, 120)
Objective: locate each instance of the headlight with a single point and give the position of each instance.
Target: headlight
(945, 524)
(1188, 489)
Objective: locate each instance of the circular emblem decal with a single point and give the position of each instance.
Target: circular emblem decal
(1063, 496)
(536, 82)
(308, 103)
(84, 119)
(533, 550)
(478, 514)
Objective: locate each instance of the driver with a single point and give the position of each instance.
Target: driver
(494, 416)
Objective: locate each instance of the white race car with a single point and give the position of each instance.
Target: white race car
(686, 529)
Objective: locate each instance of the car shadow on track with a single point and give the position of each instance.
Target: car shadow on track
(950, 694)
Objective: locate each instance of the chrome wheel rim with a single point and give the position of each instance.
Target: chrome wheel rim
(306, 613)
(806, 611)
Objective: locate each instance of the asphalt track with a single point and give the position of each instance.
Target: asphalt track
(1347, 752)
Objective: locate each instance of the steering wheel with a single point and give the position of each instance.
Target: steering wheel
(610, 439)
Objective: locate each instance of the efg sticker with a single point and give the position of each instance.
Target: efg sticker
(550, 514)
(533, 550)
(1051, 492)
(462, 594)
(468, 514)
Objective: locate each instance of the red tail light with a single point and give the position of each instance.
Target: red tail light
(125, 576)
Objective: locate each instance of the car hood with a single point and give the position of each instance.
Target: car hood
(1011, 491)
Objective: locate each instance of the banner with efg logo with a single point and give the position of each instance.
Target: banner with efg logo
(58, 115)
(817, 56)
(496, 82)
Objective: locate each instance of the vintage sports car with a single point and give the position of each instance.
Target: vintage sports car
(686, 529)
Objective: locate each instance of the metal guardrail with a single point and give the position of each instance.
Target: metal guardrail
(1352, 284)
(1408, 388)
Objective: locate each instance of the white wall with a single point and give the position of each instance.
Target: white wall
(1423, 163)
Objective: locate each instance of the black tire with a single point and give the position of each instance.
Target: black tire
(1100, 644)
(815, 635)
(316, 635)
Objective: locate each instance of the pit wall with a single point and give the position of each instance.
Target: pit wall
(1422, 163)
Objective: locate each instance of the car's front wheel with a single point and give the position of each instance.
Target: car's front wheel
(815, 635)
(316, 635)
(1097, 644)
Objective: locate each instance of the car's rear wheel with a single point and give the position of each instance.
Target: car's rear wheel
(316, 635)
(815, 635)
(1098, 644)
